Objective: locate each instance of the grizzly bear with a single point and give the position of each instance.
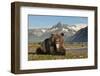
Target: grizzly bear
(53, 45)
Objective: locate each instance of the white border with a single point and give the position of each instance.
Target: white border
(25, 64)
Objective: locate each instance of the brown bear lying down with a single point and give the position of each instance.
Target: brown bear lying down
(53, 45)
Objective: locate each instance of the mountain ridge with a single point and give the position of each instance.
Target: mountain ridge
(43, 33)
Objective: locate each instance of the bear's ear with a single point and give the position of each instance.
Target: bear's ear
(62, 34)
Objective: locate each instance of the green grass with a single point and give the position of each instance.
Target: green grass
(69, 54)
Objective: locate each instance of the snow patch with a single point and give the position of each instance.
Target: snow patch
(53, 29)
(65, 29)
(43, 30)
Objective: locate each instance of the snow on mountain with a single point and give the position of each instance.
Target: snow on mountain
(53, 29)
(42, 33)
(43, 30)
(66, 30)
(66, 27)
(81, 35)
(77, 27)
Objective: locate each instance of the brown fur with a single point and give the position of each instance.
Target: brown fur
(49, 45)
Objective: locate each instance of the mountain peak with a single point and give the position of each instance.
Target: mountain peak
(58, 25)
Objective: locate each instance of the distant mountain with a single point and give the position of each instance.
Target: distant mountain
(81, 35)
(37, 35)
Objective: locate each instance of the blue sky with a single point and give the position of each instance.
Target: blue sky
(40, 21)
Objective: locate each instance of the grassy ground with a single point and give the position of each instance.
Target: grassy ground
(70, 54)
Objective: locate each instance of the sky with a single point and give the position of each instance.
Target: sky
(40, 21)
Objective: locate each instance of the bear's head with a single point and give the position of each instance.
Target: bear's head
(58, 40)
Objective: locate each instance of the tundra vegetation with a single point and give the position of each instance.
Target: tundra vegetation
(74, 50)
